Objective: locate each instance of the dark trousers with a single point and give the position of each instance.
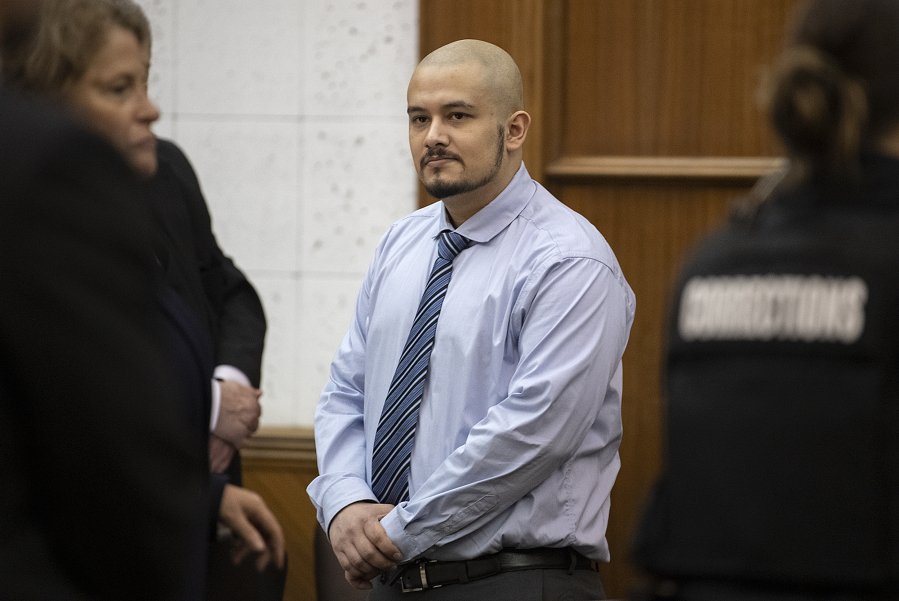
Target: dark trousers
(525, 585)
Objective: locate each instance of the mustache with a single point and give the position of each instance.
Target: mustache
(440, 153)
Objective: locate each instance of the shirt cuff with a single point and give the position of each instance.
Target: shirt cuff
(229, 372)
(223, 372)
(342, 494)
(216, 404)
(394, 527)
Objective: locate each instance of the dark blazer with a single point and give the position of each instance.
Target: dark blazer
(196, 267)
(191, 349)
(101, 491)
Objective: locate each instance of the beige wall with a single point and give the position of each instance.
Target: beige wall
(293, 114)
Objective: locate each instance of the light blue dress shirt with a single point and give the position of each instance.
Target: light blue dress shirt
(519, 427)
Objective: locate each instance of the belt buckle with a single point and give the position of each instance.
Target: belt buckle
(424, 577)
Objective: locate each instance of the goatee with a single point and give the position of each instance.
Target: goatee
(442, 189)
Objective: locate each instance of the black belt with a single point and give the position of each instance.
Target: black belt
(424, 574)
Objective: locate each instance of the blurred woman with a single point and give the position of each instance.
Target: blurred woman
(92, 57)
(782, 467)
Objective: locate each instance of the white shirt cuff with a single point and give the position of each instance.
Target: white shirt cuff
(216, 404)
(229, 372)
(223, 372)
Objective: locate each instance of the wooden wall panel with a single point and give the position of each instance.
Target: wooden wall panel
(670, 78)
(651, 226)
(279, 463)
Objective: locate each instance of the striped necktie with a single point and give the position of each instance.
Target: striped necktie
(396, 429)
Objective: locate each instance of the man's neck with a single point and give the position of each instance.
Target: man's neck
(463, 207)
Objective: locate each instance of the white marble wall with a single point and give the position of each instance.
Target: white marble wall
(293, 114)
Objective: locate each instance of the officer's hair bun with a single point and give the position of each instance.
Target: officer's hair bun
(819, 112)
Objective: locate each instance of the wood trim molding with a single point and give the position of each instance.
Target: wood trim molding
(289, 445)
(727, 168)
(552, 98)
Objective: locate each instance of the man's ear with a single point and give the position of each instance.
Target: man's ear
(517, 130)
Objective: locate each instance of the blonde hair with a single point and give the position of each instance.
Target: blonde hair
(68, 36)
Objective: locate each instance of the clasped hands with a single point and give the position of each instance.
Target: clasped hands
(238, 419)
(361, 544)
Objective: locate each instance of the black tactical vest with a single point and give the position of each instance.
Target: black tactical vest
(782, 384)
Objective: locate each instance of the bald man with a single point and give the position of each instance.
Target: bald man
(473, 459)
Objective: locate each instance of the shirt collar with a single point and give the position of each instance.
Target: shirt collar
(496, 216)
